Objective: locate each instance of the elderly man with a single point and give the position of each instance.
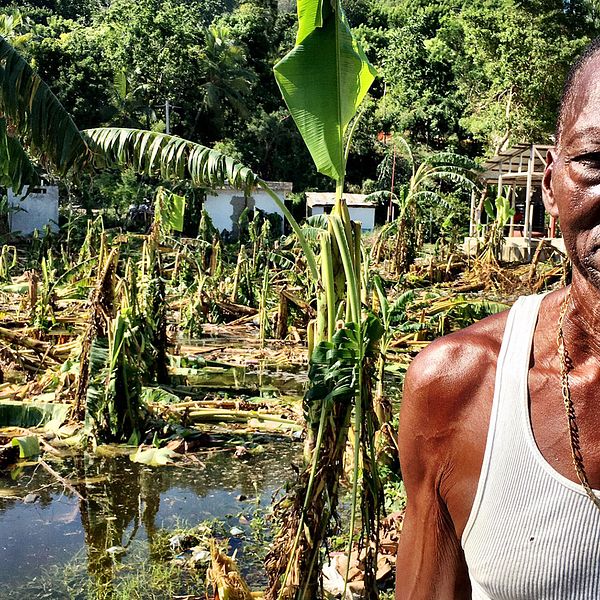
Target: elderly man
(500, 423)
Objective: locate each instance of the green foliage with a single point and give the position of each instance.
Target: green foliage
(169, 209)
(114, 386)
(168, 157)
(472, 78)
(35, 111)
(510, 59)
(8, 261)
(16, 168)
(29, 445)
(324, 100)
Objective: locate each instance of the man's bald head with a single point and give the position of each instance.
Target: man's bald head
(570, 88)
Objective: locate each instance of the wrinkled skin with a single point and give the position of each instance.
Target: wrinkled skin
(449, 387)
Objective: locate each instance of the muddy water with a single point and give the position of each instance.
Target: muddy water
(46, 529)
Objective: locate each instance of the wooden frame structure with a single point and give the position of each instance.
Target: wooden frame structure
(521, 166)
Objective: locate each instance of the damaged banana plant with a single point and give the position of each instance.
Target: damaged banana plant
(125, 345)
(323, 81)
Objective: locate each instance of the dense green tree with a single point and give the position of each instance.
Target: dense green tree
(510, 60)
(467, 76)
(70, 57)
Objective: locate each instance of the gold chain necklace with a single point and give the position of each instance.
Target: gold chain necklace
(566, 365)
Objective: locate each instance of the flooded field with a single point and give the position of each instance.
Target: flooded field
(57, 545)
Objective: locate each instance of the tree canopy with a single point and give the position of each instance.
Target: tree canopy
(470, 77)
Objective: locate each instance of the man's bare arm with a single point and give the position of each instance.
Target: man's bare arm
(443, 427)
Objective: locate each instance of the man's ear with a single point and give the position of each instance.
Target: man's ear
(547, 184)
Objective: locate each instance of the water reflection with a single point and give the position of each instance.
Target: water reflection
(123, 503)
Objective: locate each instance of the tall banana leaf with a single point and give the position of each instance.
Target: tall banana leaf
(16, 168)
(30, 106)
(323, 81)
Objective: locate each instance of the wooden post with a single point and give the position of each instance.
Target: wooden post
(499, 191)
(472, 224)
(513, 198)
(282, 317)
(528, 211)
(552, 227)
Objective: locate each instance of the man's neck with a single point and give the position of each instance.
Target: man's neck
(582, 320)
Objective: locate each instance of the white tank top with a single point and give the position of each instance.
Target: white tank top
(532, 533)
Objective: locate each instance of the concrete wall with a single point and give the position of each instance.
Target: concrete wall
(224, 206)
(516, 249)
(34, 210)
(366, 215)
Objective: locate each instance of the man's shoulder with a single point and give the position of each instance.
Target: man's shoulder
(448, 392)
(461, 358)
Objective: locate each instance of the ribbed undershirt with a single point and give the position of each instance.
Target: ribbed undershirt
(532, 533)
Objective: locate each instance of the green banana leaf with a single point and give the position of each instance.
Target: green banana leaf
(174, 217)
(16, 167)
(171, 208)
(323, 81)
(153, 457)
(29, 445)
(14, 413)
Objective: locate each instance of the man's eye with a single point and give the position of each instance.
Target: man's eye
(591, 160)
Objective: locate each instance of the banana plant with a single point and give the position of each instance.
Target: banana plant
(323, 81)
(423, 186)
(8, 261)
(499, 214)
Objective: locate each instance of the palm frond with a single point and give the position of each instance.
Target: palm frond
(167, 156)
(434, 197)
(16, 169)
(381, 195)
(36, 113)
(450, 175)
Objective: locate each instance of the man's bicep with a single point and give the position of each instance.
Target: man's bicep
(430, 563)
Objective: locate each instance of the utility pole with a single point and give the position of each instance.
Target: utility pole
(168, 116)
(390, 216)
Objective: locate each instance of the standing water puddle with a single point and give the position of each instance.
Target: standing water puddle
(55, 545)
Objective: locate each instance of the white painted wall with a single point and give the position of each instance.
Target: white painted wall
(219, 208)
(219, 205)
(35, 210)
(366, 215)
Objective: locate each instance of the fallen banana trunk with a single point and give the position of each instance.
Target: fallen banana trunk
(43, 348)
(211, 415)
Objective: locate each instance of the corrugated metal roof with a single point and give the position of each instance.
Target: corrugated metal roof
(513, 164)
(328, 199)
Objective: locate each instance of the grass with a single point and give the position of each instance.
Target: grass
(143, 580)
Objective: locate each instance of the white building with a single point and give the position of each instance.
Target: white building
(361, 210)
(225, 205)
(33, 209)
